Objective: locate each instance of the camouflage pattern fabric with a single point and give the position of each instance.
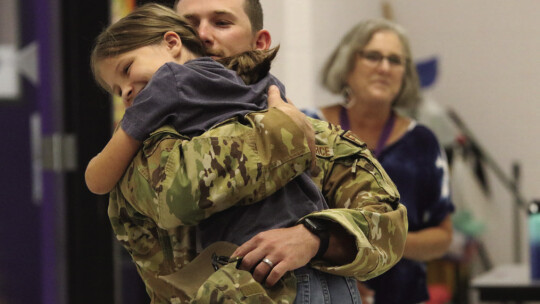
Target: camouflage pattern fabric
(187, 180)
(230, 285)
(212, 277)
(362, 199)
(174, 182)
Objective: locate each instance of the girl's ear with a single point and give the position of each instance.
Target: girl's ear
(173, 43)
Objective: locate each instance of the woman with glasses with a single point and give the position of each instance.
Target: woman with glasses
(372, 70)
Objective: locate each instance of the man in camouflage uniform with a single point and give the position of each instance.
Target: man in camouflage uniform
(150, 215)
(242, 163)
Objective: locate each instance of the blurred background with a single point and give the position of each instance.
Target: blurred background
(480, 74)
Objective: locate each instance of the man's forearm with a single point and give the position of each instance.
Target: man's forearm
(378, 238)
(364, 202)
(341, 248)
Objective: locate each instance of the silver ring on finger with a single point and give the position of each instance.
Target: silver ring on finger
(268, 262)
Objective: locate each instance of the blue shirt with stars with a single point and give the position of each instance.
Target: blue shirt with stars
(418, 167)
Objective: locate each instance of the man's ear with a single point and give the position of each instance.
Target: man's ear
(173, 43)
(263, 40)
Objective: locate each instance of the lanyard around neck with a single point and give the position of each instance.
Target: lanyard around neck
(387, 129)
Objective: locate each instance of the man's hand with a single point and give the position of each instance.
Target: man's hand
(275, 101)
(287, 248)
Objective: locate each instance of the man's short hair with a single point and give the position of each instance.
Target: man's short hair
(167, 3)
(253, 10)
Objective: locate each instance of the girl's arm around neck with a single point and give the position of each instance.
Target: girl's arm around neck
(106, 168)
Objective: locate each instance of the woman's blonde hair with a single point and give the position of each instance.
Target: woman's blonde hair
(341, 62)
(147, 25)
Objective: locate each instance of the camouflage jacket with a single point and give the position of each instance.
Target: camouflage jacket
(174, 182)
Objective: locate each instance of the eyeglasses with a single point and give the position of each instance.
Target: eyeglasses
(373, 58)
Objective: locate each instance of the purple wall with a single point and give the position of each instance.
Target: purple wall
(25, 227)
(45, 33)
(19, 225)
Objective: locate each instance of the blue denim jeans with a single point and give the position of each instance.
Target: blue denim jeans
(316, 287)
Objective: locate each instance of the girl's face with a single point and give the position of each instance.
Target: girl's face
(127, 74)
(379, 69)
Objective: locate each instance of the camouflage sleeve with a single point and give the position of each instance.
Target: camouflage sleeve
(233, 163)
(362, 199)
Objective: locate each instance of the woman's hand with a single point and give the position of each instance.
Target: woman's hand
(275, 101)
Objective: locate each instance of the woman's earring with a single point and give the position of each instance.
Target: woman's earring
(349, 100)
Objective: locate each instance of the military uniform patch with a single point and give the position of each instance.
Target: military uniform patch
(324, 151)
(349, 136)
